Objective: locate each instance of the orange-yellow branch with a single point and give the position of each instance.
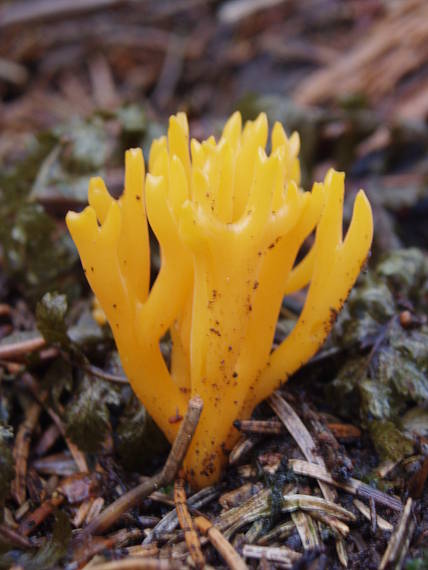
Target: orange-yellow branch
(230, 221)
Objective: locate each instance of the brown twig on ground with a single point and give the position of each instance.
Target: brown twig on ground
(34, 519)
(22, 348)
(223, 546)
(190, 535)
(273, 427)
(21, 451)
(168, 473)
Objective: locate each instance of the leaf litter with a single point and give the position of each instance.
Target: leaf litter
(338, 475)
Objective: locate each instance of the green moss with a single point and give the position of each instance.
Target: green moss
(389, 441)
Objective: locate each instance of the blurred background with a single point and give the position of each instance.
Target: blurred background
(80, 80)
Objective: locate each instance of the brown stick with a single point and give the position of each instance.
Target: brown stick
(35, 519)
(223, 546)
(108, 517)
(21, 451)
(17, 349)
(186, 523)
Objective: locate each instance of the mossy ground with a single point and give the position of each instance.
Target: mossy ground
(372, 374)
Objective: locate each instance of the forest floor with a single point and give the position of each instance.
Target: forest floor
(332, 471)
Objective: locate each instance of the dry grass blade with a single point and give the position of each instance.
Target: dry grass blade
(108, 517)
(186, 524)
(351, 485)
(310, 503)
(223, 546)
(400, 539)
(281, 555)
(246, 513)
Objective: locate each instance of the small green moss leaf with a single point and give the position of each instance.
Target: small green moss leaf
(87, 415)
(389, 442)
(50, 315)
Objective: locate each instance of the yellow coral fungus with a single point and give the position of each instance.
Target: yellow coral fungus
(230, 220)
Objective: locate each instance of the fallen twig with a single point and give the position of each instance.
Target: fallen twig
(22, 348)
(35, 519)
(273, 427)
(186, 524)
(21, 450)
(223, 546)
(310, 503)
(127, 501)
